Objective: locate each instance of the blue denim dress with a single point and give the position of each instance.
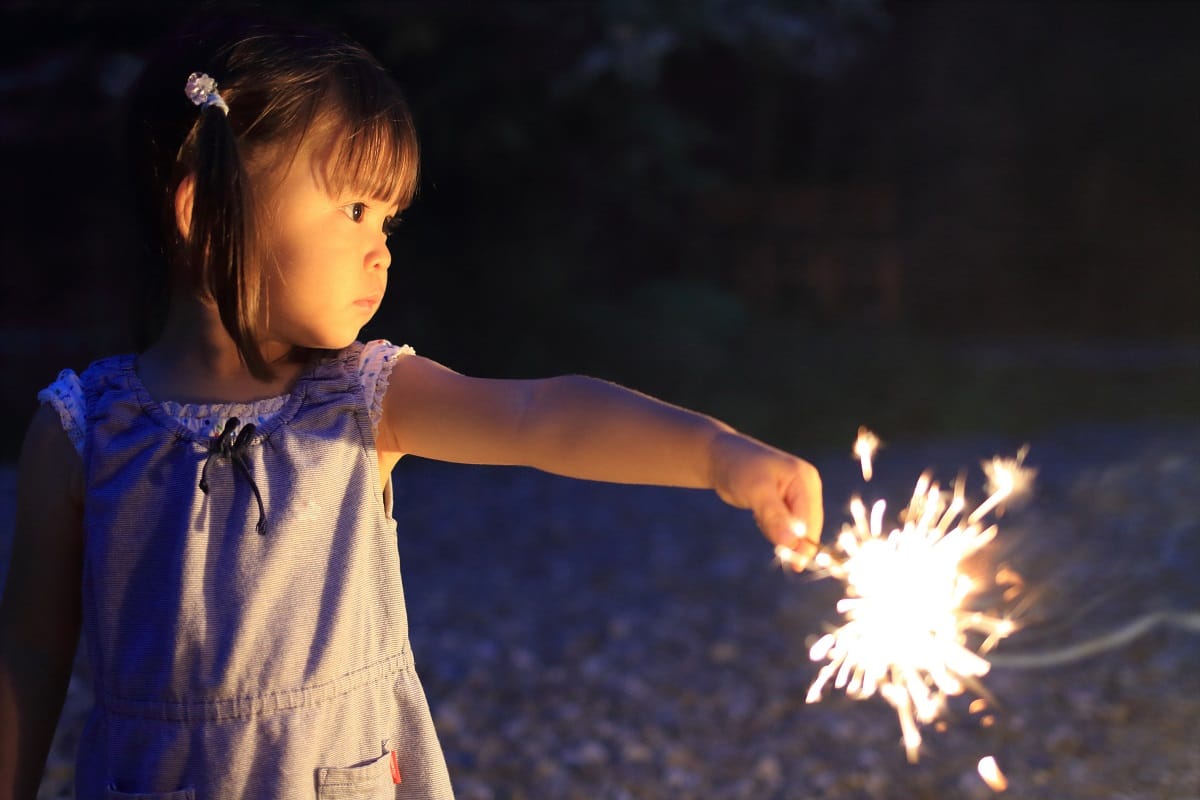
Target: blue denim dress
(251, 640)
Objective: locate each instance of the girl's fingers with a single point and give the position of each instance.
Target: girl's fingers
(803, 499)
(776, 522)
(781, 524)
(799, 530)
(797, 550)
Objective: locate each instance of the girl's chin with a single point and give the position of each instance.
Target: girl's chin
(338, 344)
(332, 337)
(327, 342)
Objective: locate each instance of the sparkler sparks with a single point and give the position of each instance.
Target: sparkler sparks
(907, 624)
(991, 774)
(864, 447)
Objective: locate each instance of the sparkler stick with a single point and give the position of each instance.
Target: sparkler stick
(907, 625)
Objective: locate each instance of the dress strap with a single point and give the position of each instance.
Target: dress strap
(375, 365)
(66, 397)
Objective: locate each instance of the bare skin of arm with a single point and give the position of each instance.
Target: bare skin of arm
(40, 613)
(586, 428)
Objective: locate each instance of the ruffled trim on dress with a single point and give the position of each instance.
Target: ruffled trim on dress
(375, 360)
(207, 418)
(375, 365)
(66, 397)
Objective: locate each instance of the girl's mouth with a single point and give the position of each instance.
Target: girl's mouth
(368, 302)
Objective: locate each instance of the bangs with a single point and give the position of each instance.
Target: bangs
(374, 159)
(369, 135)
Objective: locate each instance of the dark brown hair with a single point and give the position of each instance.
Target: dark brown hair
(281, 83)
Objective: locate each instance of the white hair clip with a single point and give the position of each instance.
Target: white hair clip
(202, 90)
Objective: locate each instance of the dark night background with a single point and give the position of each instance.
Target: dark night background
(967, 225)
(929, 217)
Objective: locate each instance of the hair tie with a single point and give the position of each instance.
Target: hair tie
(202, 90)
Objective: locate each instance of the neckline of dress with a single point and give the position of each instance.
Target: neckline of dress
(281, 407)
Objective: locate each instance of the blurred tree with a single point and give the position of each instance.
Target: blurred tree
(579, 149)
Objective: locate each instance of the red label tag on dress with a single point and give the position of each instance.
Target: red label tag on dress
(395, 769)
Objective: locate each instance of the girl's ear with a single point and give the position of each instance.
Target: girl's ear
(185, 193)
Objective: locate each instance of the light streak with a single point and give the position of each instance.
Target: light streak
(908, 626)
(864, 447)
(991, 774)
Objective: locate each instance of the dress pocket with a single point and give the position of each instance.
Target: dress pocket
(370, 781)
(111, 793)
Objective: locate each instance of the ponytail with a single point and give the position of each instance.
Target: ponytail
(217, 239)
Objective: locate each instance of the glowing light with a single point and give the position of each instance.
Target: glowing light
(907, 624)
(864, 447)
(1006, 477)
(991, 774)
(792, 558)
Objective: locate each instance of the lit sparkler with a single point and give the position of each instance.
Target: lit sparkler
(907, 624)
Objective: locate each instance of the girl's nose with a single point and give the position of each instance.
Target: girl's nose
(379, 256)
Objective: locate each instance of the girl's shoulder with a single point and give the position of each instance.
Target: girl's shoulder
(67, 394)
(375, 362)
(67, 397)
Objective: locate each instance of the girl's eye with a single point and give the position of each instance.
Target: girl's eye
(356, 211)
(391, 225)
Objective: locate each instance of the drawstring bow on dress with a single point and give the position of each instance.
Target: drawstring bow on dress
(235, 450)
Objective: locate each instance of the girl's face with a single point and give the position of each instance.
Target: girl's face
(325, 256)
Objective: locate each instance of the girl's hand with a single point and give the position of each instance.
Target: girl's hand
(783, 492)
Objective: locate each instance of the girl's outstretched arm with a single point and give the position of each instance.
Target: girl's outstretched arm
(40, 614)
(587, 428)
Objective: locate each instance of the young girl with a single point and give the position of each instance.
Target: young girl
(215, 512)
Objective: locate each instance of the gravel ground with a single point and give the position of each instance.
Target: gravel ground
(581, 640)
